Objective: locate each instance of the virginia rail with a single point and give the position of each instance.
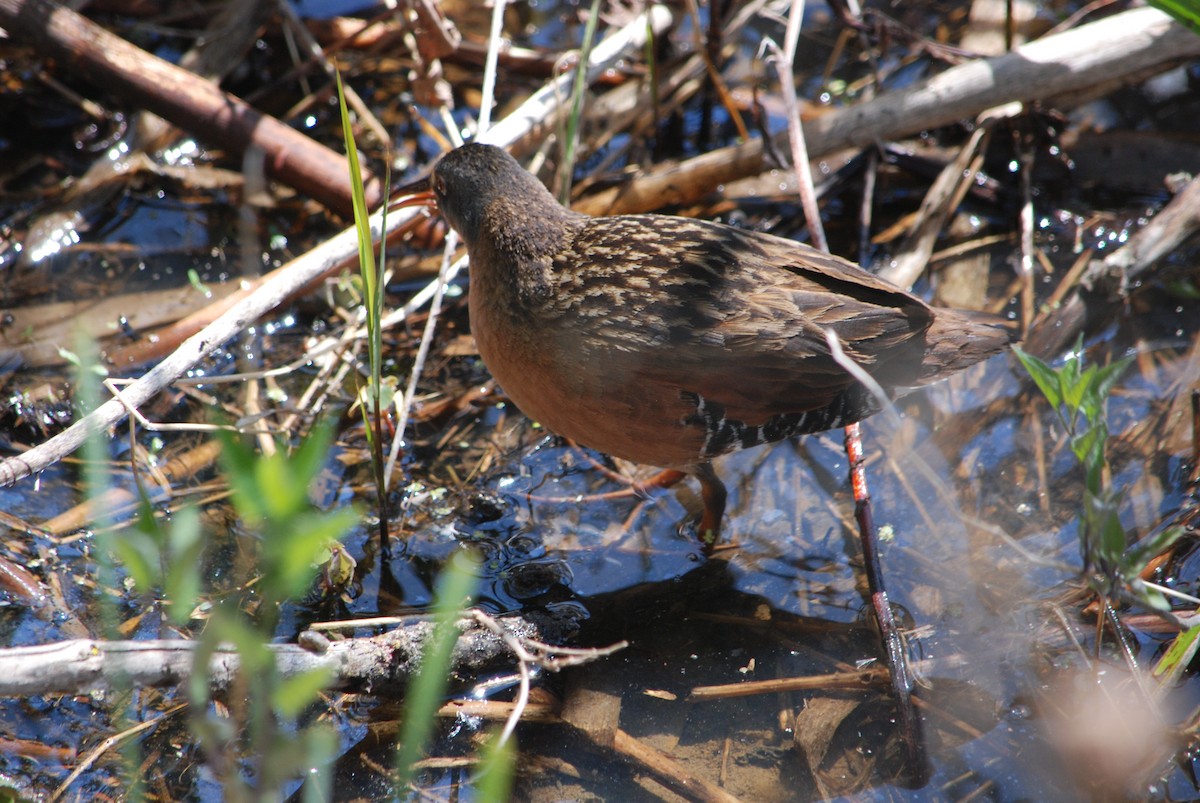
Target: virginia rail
(671, 341)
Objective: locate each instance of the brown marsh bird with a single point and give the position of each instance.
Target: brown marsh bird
(671, 341)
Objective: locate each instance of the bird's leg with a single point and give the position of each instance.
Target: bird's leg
(667, 478)
(894, 648)
(712, 491)
(642, 489)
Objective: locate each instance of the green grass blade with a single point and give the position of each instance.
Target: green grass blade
(493, 782)
(578, 93)
(425, 693)
(1186, 12)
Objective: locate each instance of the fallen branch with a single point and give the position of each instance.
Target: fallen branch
(377, 664)
(1127, 46)
(183, 98)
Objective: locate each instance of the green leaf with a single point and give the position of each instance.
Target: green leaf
(338, 569)
(292, 695)
(182, 583)
(1152, 598)
(182, 588)
(194, 280)
(308, 460)
(1178, 656)
(1073, 360)
(1075, 389)
(256, 659)
(279, 496)
(240, 464)
(1045, 377)
(1150, 547)
(140, 549)
(1088, 448)
(372, 291)
(184, 535)
(140, 556)
(1184, 287)
(1107, 378)
(1104, 531)
(70, 357)
(292, 559)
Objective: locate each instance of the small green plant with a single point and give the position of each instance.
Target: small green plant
(1079, 397)
(97, 482)
(424, 695)
(270, 496)
(493, 782)
(379, 394)
(262, 736)
(457, 580)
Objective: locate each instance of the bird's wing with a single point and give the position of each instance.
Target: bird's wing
(739, 317)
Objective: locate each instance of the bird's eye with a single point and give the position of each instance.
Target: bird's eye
(439, 185)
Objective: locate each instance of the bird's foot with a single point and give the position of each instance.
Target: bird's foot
(712, 492)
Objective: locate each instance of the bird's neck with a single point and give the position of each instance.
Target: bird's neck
(512, 256)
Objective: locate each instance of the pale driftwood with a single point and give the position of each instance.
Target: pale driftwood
(492, 710)
(539, 115)
(1121, 45)
(1129, 45)
(378, 664)
(42, 331)
(1122, 269)
(326, 257)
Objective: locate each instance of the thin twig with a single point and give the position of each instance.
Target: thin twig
(435, 307)
(489, 66)
(787, 81)
(535, 653)
(108, 744)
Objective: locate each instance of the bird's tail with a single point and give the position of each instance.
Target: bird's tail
(960, 338)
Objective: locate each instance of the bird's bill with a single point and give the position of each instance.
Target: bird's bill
(414, 194)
